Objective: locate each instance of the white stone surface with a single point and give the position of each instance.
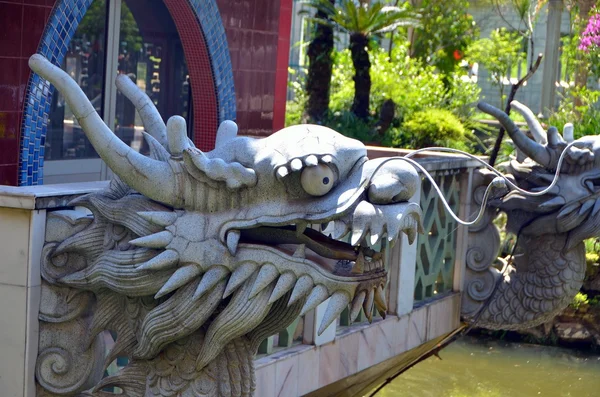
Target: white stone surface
(32, 339)
(402, 263)
(13, 326)
(14, 246)
(37, 232)
(25, 196)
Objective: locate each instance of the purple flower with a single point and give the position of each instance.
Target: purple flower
(590, 37)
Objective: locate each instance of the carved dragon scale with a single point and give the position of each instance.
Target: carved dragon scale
(191, 259)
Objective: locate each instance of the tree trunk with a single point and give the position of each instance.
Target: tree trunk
(362, 76)
(320, 63)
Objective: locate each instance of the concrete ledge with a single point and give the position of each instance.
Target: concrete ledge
(45, 196)
(431, 161)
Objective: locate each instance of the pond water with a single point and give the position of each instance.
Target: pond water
(484, 367)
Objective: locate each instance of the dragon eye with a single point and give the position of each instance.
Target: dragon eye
(317, 180)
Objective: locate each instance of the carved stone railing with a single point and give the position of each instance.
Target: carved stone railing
(26, 212)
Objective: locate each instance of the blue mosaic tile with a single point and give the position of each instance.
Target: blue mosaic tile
(212, 27)
(59, 31)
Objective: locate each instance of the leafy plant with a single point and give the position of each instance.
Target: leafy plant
(497, 54)
(583, 113)
(361, 21)
(434, 127)
(579, 300)
(445, 31)
(294, 111)
(410, 84)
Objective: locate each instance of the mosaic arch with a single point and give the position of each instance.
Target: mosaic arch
(213, 93)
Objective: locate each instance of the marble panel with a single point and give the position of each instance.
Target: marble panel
(417, 328)
(308, 371)
(14, 246)
(442, 316)
(265, 381)
(13, 302)
(37, 234)
(329, 363)
(286, 377)
(32, 338)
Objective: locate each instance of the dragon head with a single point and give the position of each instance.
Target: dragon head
(239, 240)
(572, 205)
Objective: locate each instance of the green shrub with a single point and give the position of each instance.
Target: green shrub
(579, 301)
(294, 109)
(410, 84)
(434, 127)
(348, 124)
(585, 117)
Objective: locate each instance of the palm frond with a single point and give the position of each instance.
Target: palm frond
(363, 18)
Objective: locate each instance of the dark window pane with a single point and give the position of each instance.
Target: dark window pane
(150, 52)
(84, 62)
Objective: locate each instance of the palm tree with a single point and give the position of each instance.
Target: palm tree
(362, 21)
(320, 63)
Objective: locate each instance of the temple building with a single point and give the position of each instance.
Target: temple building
(207, 61)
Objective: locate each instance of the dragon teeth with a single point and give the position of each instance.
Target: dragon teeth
(359, 264)
(317, 296)
(301, 289)
(268, 273)
(284, 284)
(357, 304)
(337, 303)
(160, 218)
(590, 186)
(340, 229)
(239, 275)
(182, 276)
(379, 298)
(596, 207)
(233, 238)
(210, 279)
(156, 240)
(368, 305)
(164, 260)
(300, 251)
(301, 227)
(586, 206)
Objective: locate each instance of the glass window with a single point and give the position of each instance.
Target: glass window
(84, 62)
(148, 50)
(150, 53)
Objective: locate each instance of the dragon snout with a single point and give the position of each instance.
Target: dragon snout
(392, 182)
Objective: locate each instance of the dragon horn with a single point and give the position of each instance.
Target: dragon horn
(150, 177)
(534, 125)
(153, 122)
(530, 147)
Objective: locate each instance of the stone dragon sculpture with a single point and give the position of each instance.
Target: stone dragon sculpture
(548, 265)
(191, 259)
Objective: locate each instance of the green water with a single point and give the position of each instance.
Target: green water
(473, 367)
